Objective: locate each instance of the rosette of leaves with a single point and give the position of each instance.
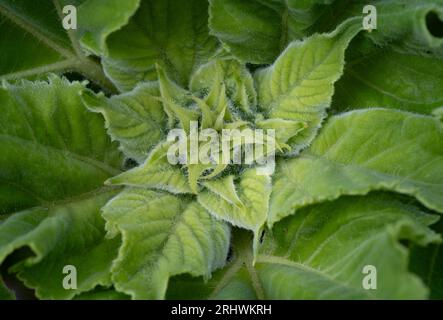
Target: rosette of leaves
(291, 96)
(350, 190)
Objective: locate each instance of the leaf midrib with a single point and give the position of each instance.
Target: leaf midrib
(276, 102)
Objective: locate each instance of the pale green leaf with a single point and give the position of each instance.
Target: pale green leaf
(135, 119)
(244, 204)
(300, 84)
(284, 129)
(175, 100)
(155, 173)
(225, 188)
(361, 151)
(171, 33)
(237, 80)
(163, 235)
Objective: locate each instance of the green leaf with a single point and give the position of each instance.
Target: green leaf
(428, 264)
(155, 173)
(362, 151)
(285, 130)
(339, 238)
(407, 26)
(256, 31)
(135, 119)
(97, 19)
(55, 156)
(5, 293)
(382, 77)
(175, 100)
(321, 252)
(35, 43)
(171, 33)
(32, 37)
(237, 80)
(163, 235)
(70, 233)
(52, 148)
(244, 205)
(300, 84)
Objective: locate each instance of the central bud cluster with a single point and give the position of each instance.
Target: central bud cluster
(228, 147)
(212, 134)
(215, 129)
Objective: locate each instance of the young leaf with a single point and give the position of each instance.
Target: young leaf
(156, 173)
(300, 84)
(245, 205)
(135, 119)
(237, 80)
(163, 235)
(68, 234)
(321, 253)
(362, 151)
(171, 33)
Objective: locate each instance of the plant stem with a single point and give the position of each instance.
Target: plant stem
(93, 71)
